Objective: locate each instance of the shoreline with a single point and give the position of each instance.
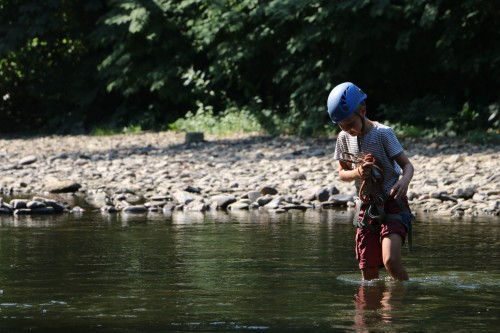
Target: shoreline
(121, 172)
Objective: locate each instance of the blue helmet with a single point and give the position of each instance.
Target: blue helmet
(343, 100)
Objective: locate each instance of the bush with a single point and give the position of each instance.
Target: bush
(227, 122)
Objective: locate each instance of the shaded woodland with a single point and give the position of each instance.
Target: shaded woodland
(70, 66)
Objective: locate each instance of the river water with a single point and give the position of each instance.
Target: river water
(240, 272)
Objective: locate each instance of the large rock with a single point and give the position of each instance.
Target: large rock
(19, 203)
(268, 190)
(183, 197)
(62, 186)
(223, 200)
(341, 198)
(135, 209)
(28, 160)
(320, 193)
(239, 205)
(464, 192)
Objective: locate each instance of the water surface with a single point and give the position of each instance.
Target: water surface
(238, 272)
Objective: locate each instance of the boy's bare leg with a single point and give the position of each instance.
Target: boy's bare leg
(391, 255)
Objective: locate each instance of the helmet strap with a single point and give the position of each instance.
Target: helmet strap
(362, 122)
(362, 130)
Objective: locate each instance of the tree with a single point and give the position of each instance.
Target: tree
(78, 64)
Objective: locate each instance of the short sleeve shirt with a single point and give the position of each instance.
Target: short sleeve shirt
(381, 141)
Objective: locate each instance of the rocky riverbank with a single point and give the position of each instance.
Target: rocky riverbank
(159, 171)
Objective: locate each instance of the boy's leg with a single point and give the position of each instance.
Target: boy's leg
(369, 253)
(370, 273)
(393, 236)
(391, 255)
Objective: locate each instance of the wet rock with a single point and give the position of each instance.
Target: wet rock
(252, 195)
(296, 207)
(223, 201)
(323, 194)
(197, 206)
(168, 208)
(120, 205)
(5, 210)
(341, 198)
(19, 203)
(239, 205)
(35, 204)
(274, 203)
(109, 209)
(135, 209)
(332, 204)
(77, 209)
(264, 200)
(183, 197)
(27, 211)
(98, 198)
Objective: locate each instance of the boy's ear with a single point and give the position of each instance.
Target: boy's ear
(362, 108)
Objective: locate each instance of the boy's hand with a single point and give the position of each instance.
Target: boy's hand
(365, 170)
(400, 189)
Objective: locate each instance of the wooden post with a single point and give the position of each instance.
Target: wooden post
(194, 137)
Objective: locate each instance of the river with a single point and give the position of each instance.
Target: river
(240, 272)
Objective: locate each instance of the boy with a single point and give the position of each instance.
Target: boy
(379, 238)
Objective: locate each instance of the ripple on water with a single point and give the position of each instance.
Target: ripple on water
(459, 280)
(355, 279)
(452, 280)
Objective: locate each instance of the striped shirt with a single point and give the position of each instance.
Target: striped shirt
(381, 141)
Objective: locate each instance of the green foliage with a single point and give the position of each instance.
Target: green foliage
(44, 64)
(408, 131)
(484, 137)
(76, 65)
(494, 116)
(430, 110)
(107, 131)
(225, 123)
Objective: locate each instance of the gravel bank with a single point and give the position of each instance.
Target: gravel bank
(158, 171)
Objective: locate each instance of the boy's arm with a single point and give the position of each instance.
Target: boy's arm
(348, 175)
(400, 189)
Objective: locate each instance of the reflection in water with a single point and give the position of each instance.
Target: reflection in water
(30, 221)
(376, 305)
(188, 217)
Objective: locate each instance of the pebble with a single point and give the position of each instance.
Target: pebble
(137, 173)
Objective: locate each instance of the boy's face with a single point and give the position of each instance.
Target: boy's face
(353, 124)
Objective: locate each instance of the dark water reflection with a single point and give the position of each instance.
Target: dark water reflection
(243, 271)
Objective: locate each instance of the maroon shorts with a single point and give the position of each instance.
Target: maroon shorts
(369, 242)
